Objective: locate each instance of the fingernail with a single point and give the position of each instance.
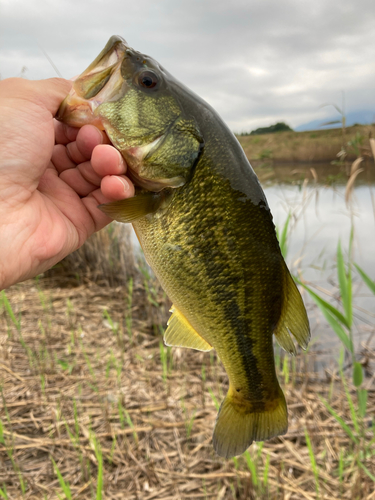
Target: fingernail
(124, 183)
(100, 135)
(121, 161)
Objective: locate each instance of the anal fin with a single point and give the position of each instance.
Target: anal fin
(181, 334)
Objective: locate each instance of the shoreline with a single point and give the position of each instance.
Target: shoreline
(309, 147)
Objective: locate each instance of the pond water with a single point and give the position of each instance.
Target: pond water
(320, 217)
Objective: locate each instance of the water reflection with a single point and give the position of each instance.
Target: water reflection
(320, 218)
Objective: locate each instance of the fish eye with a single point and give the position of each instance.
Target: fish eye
(148, 79)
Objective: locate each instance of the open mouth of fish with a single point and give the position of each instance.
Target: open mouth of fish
(100, 82)
(103, 82)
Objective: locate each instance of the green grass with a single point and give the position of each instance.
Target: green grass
(64, 485)
(9, 311)
(166, 358)
(341, 322)
(313, 463)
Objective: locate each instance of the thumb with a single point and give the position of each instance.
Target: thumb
(48, 93)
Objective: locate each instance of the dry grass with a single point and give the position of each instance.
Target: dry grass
(312, 146)
(95, 392)
(113, 267)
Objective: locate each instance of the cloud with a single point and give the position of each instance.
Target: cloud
(256, 62)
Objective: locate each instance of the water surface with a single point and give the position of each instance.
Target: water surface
(320, 218)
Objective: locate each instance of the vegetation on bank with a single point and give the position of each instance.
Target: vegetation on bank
(272, 129)
(312, 146)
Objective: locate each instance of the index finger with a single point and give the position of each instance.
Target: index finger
(64, 133)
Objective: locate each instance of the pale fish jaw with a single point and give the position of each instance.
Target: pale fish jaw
(135, 155)
(77, 109)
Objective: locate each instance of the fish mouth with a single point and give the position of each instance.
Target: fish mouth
(103, 82)
(100, 82)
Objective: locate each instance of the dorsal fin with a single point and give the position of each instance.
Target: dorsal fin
(181, 334)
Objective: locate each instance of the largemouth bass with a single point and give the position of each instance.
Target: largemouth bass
(206, 230)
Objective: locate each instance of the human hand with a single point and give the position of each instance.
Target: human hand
(52, 177)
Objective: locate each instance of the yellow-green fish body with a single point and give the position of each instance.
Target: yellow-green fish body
(203, 222)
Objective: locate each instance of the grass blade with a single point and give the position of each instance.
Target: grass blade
(214, 399)
(252, 468)
(99, 457)
(345, 282)
(284, 236)
(323, 304)
(4, 493)
(357, 374)
(362, 401)
(9, 310)
(353, 412)
(65, 486)
(266, 470)
(371, 476)
(332, 314)
(369, 282)
(345, 426)
(338, 329)
(313, 462)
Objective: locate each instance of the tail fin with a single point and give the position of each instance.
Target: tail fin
(237, 426)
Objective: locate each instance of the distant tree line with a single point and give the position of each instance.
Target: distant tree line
(278, 127)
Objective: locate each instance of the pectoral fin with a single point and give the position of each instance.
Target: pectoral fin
(181, 334)
(293, 319)
(134, 208)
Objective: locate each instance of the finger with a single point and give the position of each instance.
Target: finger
(87, 139)
(89, 173)
(79, 151)
(91, 203)
(75, 154)
(117, 187)
(61, 159)
(74, 179)
(64, 133)
(106, 160)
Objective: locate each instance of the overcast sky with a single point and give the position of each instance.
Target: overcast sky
(255, 61)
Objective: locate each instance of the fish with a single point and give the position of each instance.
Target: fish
(206, 230)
